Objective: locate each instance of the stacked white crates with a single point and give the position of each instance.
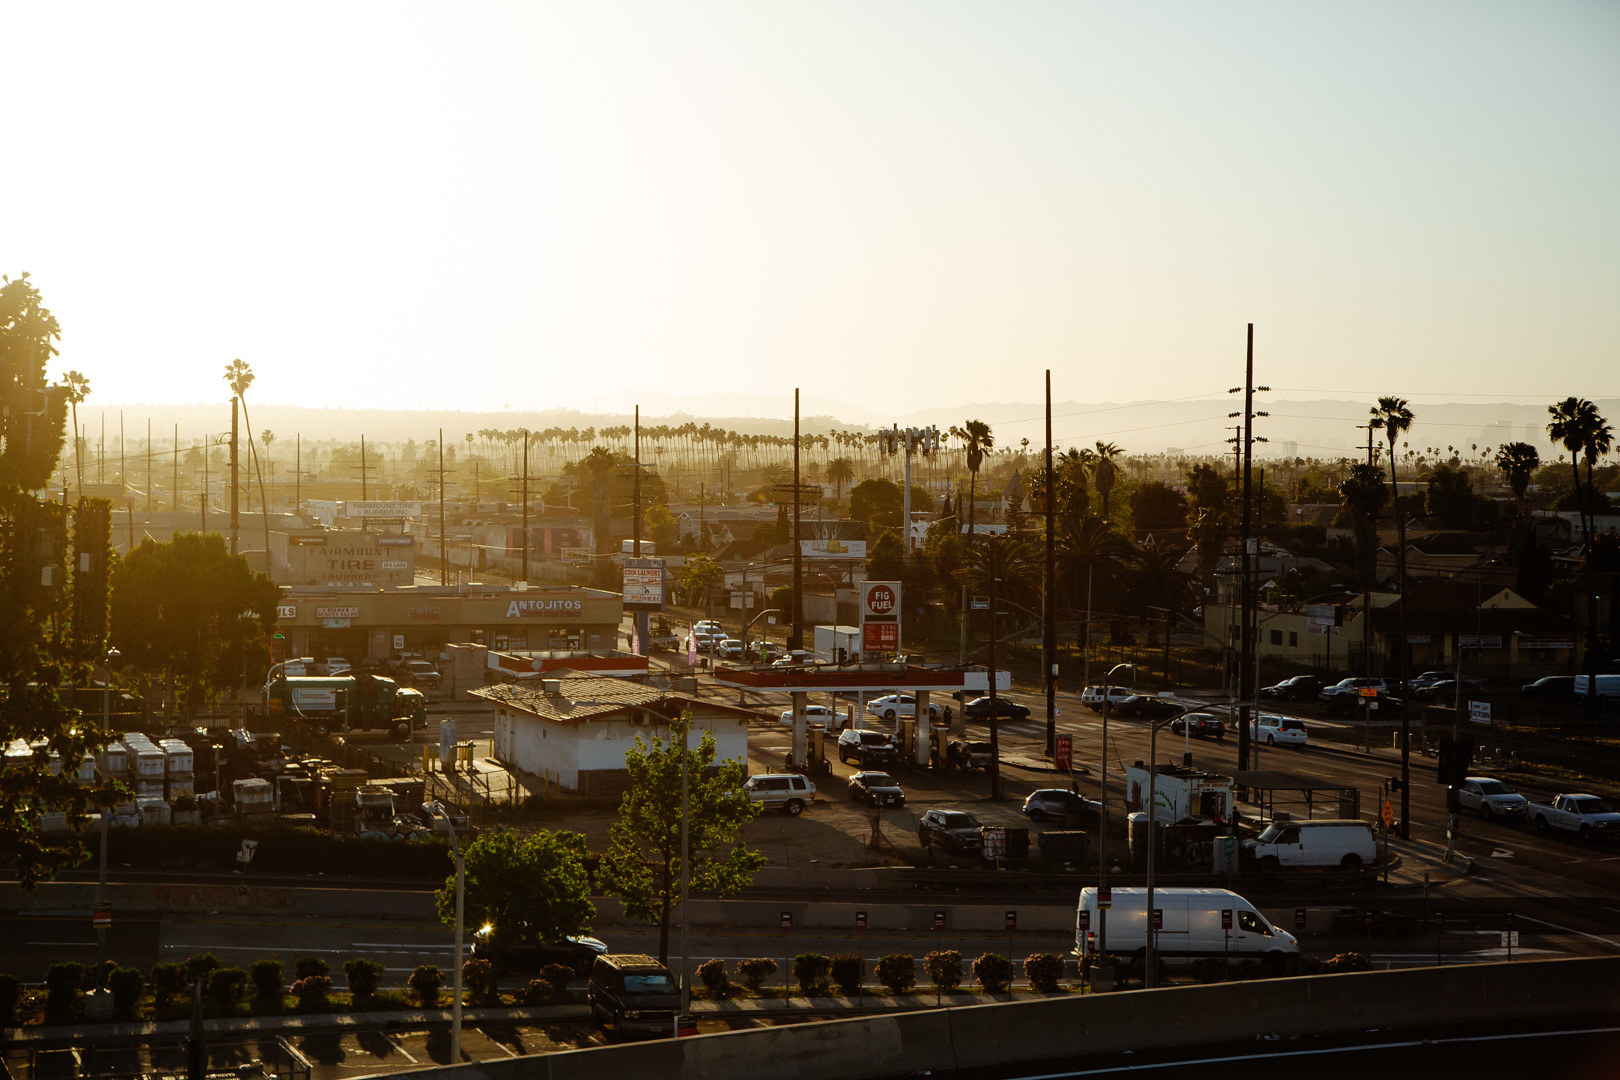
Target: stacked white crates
(255, 799)
(114, 760)
(177, 768)
(150, 766)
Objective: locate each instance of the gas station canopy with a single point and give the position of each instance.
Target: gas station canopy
(844, 678)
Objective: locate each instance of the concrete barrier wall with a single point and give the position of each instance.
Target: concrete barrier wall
(1057, 1028)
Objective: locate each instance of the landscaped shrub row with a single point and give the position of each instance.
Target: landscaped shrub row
(281, 849)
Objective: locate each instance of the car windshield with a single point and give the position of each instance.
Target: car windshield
(657, 983)
(874, 737)
(1593, 806)
(959, 820)
(879, 779)
(1273, 831)
(1494, 787)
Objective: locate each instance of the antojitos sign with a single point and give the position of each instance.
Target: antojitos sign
(538, 609)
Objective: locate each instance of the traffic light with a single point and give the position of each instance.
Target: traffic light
(1392, 784)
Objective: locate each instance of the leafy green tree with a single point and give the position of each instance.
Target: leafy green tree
(1158, 510)
(1450, 498)
(698, 576)
(642, 867)
(877, 502)
(1363, 494)
(530, 888)
(37, 638)
(886, 559)
(193, 613)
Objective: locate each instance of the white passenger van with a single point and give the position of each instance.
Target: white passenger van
(1346, 843)
(1191, 927)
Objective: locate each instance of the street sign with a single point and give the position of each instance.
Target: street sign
(1158, 918)
(979, 603)
(939, 920)
(1105, 896)
(101, 917)
(245, 856)
(995, 841)
(860, 920)
(787, 920)
(1226, 918)
(1369, 691)
(1064, 753)
(1299, 918)
(1479, 712)
(1084, 920)
(1387, 813)
(1510, 939)
(1012, 920)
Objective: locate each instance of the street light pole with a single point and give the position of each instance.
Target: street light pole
(106, 811)
(1102, 797)
(437, 810)
(1151, 975)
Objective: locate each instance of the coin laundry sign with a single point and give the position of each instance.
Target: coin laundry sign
(880, 617)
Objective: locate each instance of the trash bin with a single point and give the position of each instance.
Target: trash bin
(1017, 842)
(1064, 844)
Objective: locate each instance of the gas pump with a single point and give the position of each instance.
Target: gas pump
(905, 738)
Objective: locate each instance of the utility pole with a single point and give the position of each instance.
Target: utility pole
(363, 495)
(234, 401)
(643, 622)
(176, 468)
(148, 463)
(796, 634)
(1049, 584)
(911, 439)
(1366, 590)
(524, 541)
(444, 566)
(1248, 623)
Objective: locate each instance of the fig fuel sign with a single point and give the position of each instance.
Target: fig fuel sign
(880, 617)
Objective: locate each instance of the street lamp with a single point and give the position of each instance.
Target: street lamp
(1129, 672)
(106, 811)
(437, 810)
(1151, 975)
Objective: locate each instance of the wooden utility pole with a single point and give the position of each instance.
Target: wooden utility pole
(796, 635)
(1049, 605)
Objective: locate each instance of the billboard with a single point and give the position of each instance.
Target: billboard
(379, 508)
(831, 547)
(644, 584)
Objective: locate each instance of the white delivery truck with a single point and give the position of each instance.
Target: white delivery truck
(1191, 927)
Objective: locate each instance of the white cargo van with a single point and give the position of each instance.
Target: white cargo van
(1345, 843)
(1608, 686)
(1191, 927)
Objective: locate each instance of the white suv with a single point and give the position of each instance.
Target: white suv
(787, 792)
(1272, 730)
(1092, 697)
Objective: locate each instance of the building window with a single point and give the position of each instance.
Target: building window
(1276, 637)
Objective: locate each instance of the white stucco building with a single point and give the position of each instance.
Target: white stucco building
(575, 730)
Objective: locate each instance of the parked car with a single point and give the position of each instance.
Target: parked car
(794, 658)
(709, 626)
(333, 665)
(1326, 842)
(1294, 688)
(1351, 688)
(876, 789)
(826, 717)
(1047, 803)
(1200, 724)
(1146, 707)
(867, 747)
(1092, 697)
(574, 953)
(1444, 690)
(1492, 799)
(419, 673)
(962, 755)
(1428, 678)
(729, 649)
(1344, 704)
(787, 792)
(979, 709)
(956, 831)
(891, 706)
(1560, 687)
(764, 651)
(1273, 730)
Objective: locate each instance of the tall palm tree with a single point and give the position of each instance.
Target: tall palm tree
(840, 470)
(1104, 472)
(1578, 425)
(977, 440)
(1393, 417)
(1518, 462)
(239, 376)
(77, 388)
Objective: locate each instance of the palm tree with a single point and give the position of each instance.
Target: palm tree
(977, 440)
(840, 470)
(1518, 462)
(1581, 429)
(77, 388)
(1104, 471)
(239, 376)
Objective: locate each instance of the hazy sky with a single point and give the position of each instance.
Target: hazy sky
(905, 205)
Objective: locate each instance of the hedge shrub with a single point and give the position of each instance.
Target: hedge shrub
(226, 986)
(265, 975)
(313, 992)
(811, 970)
(712, 974)
(557, 976)
(848, 972)
(167, 981)
(306, 966)
(994, 973)
(424, 982)
(755, 970)
(478, 979)
(62, 982)
(126, 984)
(10, 995)
(944, 969)
(1043, 970)
(364, 977)
(897, 972)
